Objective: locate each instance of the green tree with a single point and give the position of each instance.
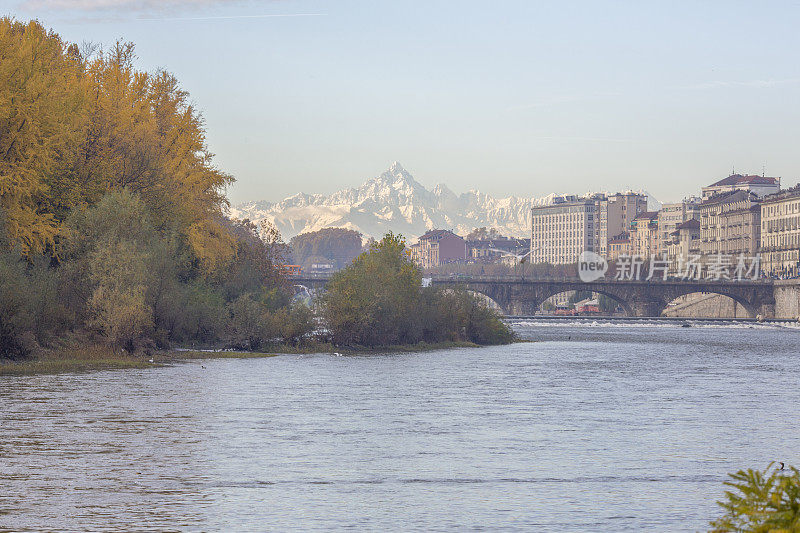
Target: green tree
(761, 502)
(16, 319)
(112, 243)
(371, 302)
(249, 323)
(295, 323)
(378, 300)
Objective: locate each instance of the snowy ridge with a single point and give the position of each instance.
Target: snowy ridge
(395, 201)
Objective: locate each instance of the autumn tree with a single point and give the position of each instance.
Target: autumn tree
(73, 128)
(43, 95)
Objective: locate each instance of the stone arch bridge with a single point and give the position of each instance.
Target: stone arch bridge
(517, 296)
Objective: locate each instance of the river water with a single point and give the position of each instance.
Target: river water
(591, 428)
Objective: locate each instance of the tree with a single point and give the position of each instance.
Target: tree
(249, 323)
(42, 102)
(112, 212)
(370, 302)
(484, 234)
(112, 242)
(378, 300)
(16, 318)
(761, 502)
(73, 128)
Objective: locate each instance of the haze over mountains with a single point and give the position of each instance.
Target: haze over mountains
(395, 201)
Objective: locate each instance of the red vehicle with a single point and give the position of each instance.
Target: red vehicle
(291, 270)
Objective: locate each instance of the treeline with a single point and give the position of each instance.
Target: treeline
(118, 279)
(338, 246)
(113, 227)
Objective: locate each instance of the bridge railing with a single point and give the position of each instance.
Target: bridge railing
(462, 278)
(572, 279)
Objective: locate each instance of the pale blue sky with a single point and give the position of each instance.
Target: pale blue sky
(510, 97)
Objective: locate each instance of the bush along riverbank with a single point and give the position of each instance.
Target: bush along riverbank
(375, 305)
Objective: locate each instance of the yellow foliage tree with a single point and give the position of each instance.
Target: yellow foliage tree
(42, 94)
(74, 128)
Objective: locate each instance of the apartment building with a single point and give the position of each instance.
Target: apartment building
(684, 243)
(673, 215)
(565, 228)
(780, 233)
(730, 223)
(759, 185)
(645, 240)
(616, 213)
(437, 247)
(619, 245)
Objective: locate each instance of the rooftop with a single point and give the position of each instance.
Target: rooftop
(794, 192)
(740, 179)
(692, 223)
(649, 215)
(437, 234)
(730, 196)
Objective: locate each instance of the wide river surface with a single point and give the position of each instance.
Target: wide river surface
(592, 427)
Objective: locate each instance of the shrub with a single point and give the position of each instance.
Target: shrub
(30, 309)
(294, 323)
(16, 319)
(249, 323)
(761, 502)
(379, 300)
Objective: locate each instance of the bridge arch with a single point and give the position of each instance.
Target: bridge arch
(622, 302)
(488, 300)
(517, 296)
(746, 304)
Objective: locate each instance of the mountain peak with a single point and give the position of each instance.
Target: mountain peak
(393, 201)
(399, 178)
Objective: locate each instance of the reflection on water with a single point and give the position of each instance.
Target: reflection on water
(593, 427)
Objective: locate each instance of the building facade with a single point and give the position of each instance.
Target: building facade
(780, 233)
(619, 245)
(730, 223)
(493, 250)
(562, 230)
(645, 240)
(438, 247)
(673, 215)
(684, 243)
(758, 185)
(616, 213)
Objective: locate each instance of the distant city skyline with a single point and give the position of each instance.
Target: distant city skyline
(526, 99)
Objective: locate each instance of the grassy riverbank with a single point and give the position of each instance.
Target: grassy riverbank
(91, 358)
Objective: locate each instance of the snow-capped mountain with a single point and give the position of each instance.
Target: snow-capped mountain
(394, 201)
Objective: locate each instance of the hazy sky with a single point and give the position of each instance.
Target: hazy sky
(510, 97)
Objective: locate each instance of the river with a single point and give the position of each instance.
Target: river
(592, 427)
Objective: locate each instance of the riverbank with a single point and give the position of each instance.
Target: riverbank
(93, 358)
